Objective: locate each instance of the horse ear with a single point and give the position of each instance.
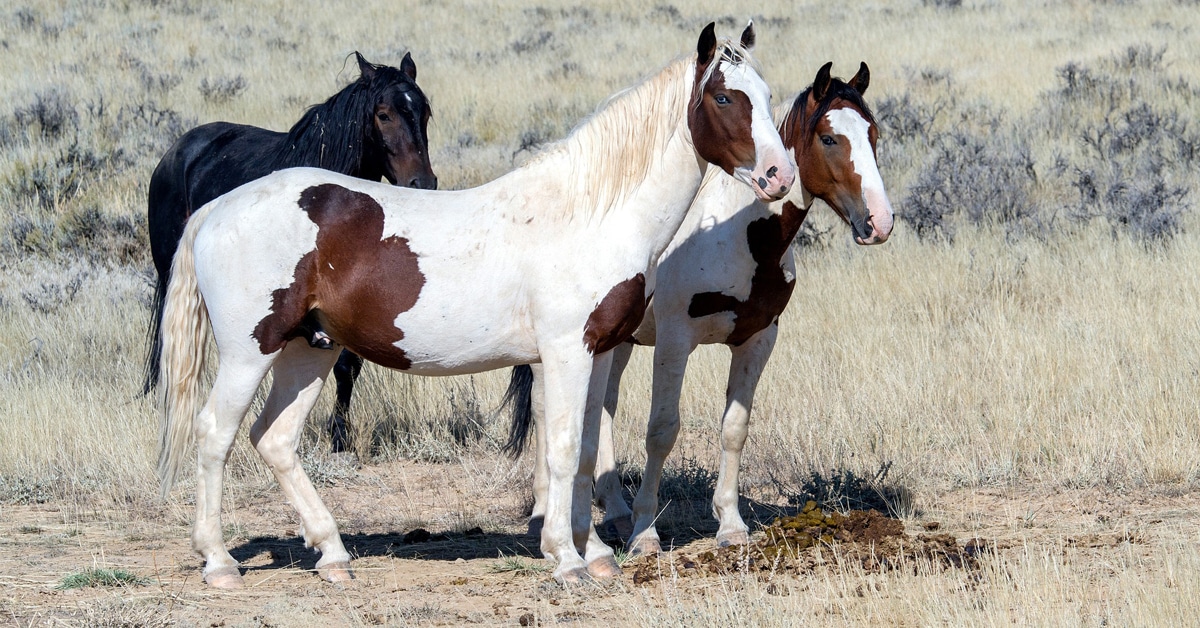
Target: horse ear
(365, 68)
(821, 83)
(408, 67)
(748, 36)
(862, 79)
(707, 46)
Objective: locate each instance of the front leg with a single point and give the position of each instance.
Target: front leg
(745, 368)
(567, 531)
(601, 561)
(608, 483)
(670, 363)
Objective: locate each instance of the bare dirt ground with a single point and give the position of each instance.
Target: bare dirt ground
(490, 574)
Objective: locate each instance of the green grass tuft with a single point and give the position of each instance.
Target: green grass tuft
(96, 577)
(517, 565)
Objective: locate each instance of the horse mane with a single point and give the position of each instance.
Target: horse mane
(612, 151)
(331, 134)
(837, 89)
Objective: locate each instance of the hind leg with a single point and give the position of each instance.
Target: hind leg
(215, 427)
(541, 471)
(299, 375)
(745, 369)
(349, 365)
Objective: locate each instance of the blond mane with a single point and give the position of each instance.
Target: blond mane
(612, 151)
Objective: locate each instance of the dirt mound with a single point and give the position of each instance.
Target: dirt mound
(790, 544)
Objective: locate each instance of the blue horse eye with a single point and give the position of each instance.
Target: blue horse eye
(722, 99)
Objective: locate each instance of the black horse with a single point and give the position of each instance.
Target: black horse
(375, 127)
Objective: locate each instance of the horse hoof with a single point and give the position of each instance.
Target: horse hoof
(578, 575)
(648, 547)
(225, 578)
(605, 567)
(740, 537)
(336, 572)
(621, 527)
(535, 526)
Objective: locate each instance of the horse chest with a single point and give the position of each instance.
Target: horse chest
(764, 278)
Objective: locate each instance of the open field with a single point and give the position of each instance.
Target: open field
(1017, 365)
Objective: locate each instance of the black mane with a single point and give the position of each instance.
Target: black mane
(332, 135)
(837, 89)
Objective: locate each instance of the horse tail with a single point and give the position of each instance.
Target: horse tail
(154, 354)
(184, 342)
(520, 397)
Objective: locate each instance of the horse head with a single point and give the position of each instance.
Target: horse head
(399, 121)
(833, 134)
(730, 116)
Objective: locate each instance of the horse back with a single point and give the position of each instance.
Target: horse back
(204, 163)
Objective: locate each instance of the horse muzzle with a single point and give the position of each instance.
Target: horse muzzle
(774, 182)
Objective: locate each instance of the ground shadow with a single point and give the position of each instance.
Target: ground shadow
(685, 503)
(416, 544)
(685, 499)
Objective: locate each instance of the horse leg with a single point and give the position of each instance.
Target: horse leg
(617, 514)
(566, 371)
(215, 427)
(541, 472)
(299, 375)
(745, 368)
(670, 363)
(601, 563)
(346, 371)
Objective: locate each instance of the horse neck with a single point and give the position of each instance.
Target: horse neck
(331, 135)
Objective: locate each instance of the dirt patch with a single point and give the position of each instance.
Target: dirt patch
(798, 543)
(447, 545)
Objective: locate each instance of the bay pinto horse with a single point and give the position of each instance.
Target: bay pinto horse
(373, 128)
(725, 279)
(548, 263)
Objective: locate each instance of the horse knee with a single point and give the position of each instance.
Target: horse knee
(662, 436)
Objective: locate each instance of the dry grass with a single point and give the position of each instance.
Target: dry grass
(1057, 356)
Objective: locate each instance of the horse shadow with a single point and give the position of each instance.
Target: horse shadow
(289, 552)
(685, 517)
(685, 499)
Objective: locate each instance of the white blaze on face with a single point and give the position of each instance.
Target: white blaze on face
(849, 123)
(768, 147)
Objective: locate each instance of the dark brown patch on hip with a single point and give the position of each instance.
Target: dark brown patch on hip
(617, 316)
(770, 291)
(354, 283)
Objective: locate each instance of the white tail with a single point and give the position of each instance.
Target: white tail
(184, 342)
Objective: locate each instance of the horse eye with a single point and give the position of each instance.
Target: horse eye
(828, 141)
(383, 117)
(723, 100)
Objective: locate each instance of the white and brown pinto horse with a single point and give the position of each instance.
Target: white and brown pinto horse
(725, 279)
(545, 264)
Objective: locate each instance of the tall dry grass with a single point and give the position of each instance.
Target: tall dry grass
(1055, 347)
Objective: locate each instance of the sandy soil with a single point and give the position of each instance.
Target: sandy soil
(457, 575)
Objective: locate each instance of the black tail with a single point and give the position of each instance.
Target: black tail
(154, 355)
(520, 396)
